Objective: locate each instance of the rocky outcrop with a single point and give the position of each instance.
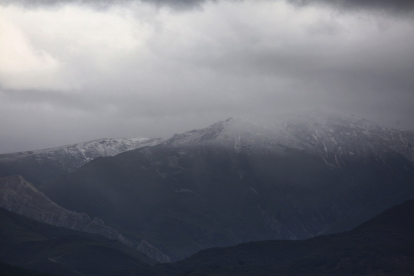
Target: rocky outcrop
(153, 252)
(21, 197)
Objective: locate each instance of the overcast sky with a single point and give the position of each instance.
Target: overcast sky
(77, 70)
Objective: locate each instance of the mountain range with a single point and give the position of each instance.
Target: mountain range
(236, 181)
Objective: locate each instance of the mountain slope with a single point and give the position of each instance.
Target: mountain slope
(381, 246)
(41, 166)
(45, 248)
(21, 197)
(241, 180)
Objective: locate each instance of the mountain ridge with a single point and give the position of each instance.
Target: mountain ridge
(317, 131)
(241, 180)
(238, 181)
(41, 166)
(21, 197)
(60, 251)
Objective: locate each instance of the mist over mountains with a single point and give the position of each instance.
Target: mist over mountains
(149, 137)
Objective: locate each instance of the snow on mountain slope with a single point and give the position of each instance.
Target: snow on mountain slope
(329, 135)
(42, 166)
(338, 135)
(73, 156)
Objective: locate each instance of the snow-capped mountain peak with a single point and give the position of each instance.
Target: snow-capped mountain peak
(327, 134)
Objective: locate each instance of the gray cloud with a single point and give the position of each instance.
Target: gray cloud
(398, 6)
(394, 6)
(187, 70)
(178, 4)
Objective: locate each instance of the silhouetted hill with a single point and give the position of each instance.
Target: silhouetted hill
(383, 245)
(368, 212)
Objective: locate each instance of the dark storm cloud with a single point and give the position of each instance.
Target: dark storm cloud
(398, 6)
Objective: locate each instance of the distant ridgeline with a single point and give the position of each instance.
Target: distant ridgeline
(383, 245)
(41, 166)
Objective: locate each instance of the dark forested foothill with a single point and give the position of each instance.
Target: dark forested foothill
(53, 250)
